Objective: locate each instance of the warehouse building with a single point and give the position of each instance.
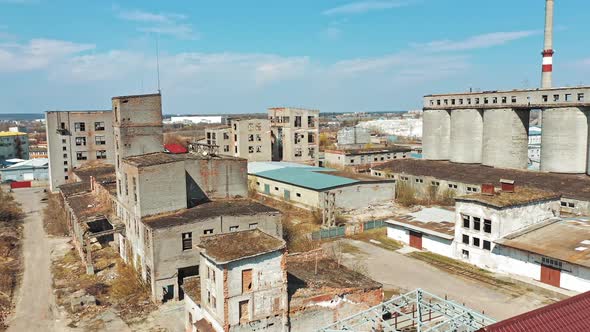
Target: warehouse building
(364, 157)
(463, 179)
(28, 170)
(316, 188)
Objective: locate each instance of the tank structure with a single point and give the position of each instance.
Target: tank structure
(491, 128)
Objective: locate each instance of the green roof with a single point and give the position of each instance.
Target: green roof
(307, 177)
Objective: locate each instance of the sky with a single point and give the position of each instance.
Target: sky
(245, 56)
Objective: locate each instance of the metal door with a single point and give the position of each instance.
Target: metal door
(416, 240)
(550, 275)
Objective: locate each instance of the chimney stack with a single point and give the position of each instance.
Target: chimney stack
(507, 185)
(547, 72)
(487, 189)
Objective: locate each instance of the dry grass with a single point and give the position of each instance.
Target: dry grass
(407, 196)
(379, 235)
(54, 216)
(11, 216)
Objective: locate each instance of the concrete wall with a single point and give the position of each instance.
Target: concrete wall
(221, 137)
(505, 138)
(62, 149)
(167, 252)
(253, 139)
(564, 140)
(436, 134)
(219, 178)
(353, 136)
(301, 197)
(358, 196)
(466, 136)
(430, 243)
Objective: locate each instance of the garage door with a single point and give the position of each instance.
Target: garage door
(550, 275)
(416, 240)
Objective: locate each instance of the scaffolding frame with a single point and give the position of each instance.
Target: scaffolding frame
(418, 311)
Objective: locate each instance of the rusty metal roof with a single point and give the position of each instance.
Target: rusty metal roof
(570, 315)
(520, 196)
(569, 185)
(229, 247)
(207, 211)
(565, 239)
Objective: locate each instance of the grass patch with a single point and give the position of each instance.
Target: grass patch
(380, 235)
(54, 216)
(348, 248)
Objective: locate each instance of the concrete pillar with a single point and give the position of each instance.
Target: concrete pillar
(436, 134)
(466, 136)
(564, 140)
(505, 138)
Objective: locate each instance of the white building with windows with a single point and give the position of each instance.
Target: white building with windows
(515, 230)
(244, 138)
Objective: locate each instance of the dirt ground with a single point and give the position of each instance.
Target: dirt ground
(400, 273)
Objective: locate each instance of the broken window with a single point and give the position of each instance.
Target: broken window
(466, 221)
(250, 126)
(580, 97)
(126, 185)
(571, 205)
(243, 311)
(568, 97)
(233, 228)
(80, 126)
(465, 254)
(310, 138)
(81, 155)
(226, 148)
(298, 138)
(251, 138)
(134, 180)
(246, 281)
(250, 149)
(476, 223)
(419, 181)
(101, 154)
(208, 231)
(298, 152)
(476, 242)
(225, 136)
(545, 98)
(258, 148)
(487, 245)
(513, 99)
(187, 241)
(487, 226)
(81, 141)
(253, 225)
(297, 121)
(146, 238)
(258, 126)
(100, 140)
(465, 239)
(495, 100)
(64, 148)
(258, 138)
(99, 125)
(504, 100)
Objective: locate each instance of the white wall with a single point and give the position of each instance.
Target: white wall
(430, 243)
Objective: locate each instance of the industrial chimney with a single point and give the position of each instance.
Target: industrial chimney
(548, 50)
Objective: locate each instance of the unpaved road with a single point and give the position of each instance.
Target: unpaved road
(35, 306)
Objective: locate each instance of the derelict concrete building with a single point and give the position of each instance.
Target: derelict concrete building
(294, 134)
(491, 128)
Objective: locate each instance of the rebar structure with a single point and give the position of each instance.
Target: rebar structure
(417, 311)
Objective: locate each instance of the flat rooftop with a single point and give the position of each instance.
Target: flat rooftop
(160, 158)
(565, 239)
(86, 207)
(100, 171)
(74, 188)
(572, 186)
(192, 288)
(207, 211)
(229, 247)
(502, 199)
(435, 221)
(137, 96)
(354, 152)
(330, 277)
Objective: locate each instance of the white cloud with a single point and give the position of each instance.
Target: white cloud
(171, 24)
(360, 7)
(477, 42)
(37, 54)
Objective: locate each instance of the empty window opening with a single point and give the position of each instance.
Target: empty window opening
(568, 97)
(487, 226)
(465, 239)
(487, 245)
(187, 241)
(233, 228)
(580, 97)
(208, 231)
(545, 98)
(246, 281)
(555, 97)
(476, 242)
(476, 224)
(466, 221)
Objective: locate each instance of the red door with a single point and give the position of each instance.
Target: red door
(550, 275)
(416, 240)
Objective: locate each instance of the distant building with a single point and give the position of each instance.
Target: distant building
(212, 119)
(28, 170)
(295, 134)
(534, 150)
(17, 129)
(365, 157)
(243, 138)
(38, 152)
(353, 137)
(75, 138)
(13, 145)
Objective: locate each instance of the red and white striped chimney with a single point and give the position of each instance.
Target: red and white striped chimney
(547, 73)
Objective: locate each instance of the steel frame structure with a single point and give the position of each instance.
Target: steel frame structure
(418, 311)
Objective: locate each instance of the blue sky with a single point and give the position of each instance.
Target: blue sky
(244, 56)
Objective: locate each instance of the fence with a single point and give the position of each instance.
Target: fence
(340, 231)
